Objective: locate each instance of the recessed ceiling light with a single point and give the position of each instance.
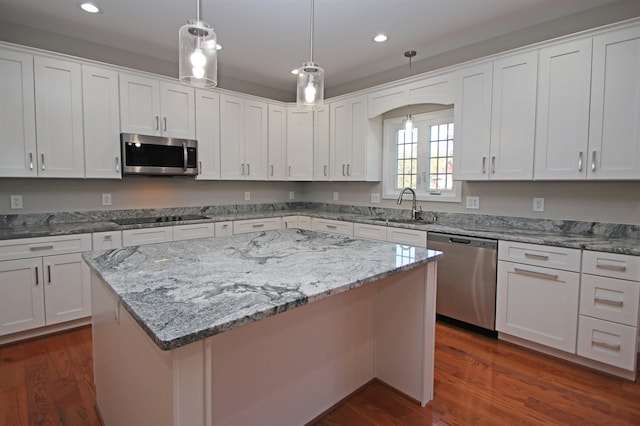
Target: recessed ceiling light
(380, 38)
(89, 7)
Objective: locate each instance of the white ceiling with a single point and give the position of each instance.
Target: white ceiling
(264, 39)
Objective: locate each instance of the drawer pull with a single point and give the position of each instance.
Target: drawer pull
(107, 238)
(616, 268)
(258, 225)
(37, 279)
(536, 256)
(38, 248)
(606, 301)
(605, 344)
(533, 274)
(49, 272)
(332, 227)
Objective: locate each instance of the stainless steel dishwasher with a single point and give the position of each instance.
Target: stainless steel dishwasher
(466, 278)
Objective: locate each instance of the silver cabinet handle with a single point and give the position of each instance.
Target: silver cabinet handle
(107, 238)
(49, 272)
(343, 174)
(332, 227)
(536, 256)
(199, 167)
(618, 302)
(605, 344)
(348, 169)
(248, 169)
(493, 165)
(164, 123)
(593, 161)
(289, 170)
(580, 161)
(242, 169)
(325, 169)
(31, 161)
(484, 165)
(157, 123)
(616, 268)
(185, 156)
(551, 277)
(258, 225)
(272, 170)
(37, 278)
(118, 164)
(42, 158)
(38, 248)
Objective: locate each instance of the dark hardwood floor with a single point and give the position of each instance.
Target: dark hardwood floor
(478, 380)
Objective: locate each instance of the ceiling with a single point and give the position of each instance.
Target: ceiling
(264, 39)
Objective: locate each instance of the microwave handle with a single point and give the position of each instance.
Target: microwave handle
(185, 156)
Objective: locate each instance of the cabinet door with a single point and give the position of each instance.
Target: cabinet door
(277, 143)
(357, 166)
(67, 288)
(58, 88)
(339, 138)
(21, 295)
(18, 117)
(139, 105)
(614, 132)
(256, 142)
(178, 111)
(299, 144)
(107, 240)
(562, 122)
(472, 120)
(208, 134)
(321, 144)
(513, 117)
(232, 164)
(538, 304)
(101, 108)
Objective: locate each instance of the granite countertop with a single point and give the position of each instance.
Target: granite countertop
(184, 291)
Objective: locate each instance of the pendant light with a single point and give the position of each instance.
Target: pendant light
(310, 91)
(198, 65)
(408, 121)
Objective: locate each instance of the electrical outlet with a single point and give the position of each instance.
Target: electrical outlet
(16, 201)
(538, 204)
(375, 197)
(106, 199)
(335, 196)
(247, 196)
(292, 195)
(473, 203)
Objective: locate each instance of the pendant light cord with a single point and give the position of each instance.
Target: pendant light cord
(198, 7)
(311, 26)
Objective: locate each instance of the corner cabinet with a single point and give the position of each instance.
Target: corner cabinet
(300, 144)
(243, 138)
(101, 109)
(355, 141)
(158, 108)
(208, 134)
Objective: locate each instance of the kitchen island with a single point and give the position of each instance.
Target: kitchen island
(204, 332)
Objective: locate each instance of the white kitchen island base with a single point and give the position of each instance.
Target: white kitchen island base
(282, 370)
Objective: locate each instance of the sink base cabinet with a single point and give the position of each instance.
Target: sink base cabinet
(306, 354)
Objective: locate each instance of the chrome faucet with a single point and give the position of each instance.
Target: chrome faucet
(414, 210)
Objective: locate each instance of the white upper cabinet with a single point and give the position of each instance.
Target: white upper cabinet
(101, 109)
(208, 134)
(321, 143)
(614, 131)
(243, 138)
(562, 123)
(277, 142)
(299, 144)
(513, 116)
(18, 117)
(158, 108)
(58, 89)
(472, 118)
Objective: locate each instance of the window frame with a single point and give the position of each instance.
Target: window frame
(389, 156)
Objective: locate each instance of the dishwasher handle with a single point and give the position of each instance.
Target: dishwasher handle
(462, 240)
(456, 240)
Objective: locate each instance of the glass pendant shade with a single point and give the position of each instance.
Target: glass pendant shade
(310, 91)
(198, 64)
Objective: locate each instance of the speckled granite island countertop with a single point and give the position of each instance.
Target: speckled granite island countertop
(184, 291)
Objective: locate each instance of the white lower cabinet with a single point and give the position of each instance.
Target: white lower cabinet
(407, 237)
(193, 231)
(223, 229)
(290, 222)
(256, 225)
(370, 232)
(331, 226)
(43, 282)
(107, 240)
(137, 237)
(538, 303)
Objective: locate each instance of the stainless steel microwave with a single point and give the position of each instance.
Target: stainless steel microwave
(154, 155)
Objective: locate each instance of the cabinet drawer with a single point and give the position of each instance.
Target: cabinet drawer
(256, 225)
(107, 240)
(193, 231)
(608, 342)
(289, 222)
(44, 246)
(407, 237)
(611, 265)
(610, 299)
(304, 222)
(371, 232)
(224, 229)
(538, 255)
(137, 237)
(332, 226)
